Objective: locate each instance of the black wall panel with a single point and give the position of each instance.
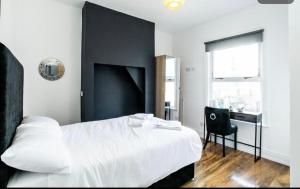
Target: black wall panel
(114, 38)
(116, 93)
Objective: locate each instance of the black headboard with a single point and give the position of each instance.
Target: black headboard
(11, 104)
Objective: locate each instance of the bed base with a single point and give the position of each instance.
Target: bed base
(177, 179)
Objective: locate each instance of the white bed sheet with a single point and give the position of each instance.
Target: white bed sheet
(112, 154)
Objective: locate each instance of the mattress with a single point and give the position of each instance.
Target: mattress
(110, 153)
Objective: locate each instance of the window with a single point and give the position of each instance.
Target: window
(171, 92)
(235, 76)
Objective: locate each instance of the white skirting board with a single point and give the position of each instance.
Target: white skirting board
(266, 153)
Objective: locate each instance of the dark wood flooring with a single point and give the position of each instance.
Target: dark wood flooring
(237, 169)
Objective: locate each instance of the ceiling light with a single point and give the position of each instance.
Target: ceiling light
(174, 4)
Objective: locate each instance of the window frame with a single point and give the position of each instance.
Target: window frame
(176, 81)
(168, 80)
(258, 78)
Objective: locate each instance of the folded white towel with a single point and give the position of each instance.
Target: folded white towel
(171, 125)
(133, 122)
(142, 116)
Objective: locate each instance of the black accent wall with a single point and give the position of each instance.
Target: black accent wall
(118, 65)
(117, 91)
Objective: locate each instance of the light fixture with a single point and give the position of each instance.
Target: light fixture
(174, 4)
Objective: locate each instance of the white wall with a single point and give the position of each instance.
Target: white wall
(43, 29)
(35, 30)
(295, 92)
(163, 43)
(189, 46)
(6, 23)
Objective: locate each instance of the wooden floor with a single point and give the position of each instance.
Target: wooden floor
(237, 169)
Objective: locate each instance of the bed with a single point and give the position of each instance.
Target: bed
(106, 153)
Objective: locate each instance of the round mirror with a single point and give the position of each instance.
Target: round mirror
(51, 69)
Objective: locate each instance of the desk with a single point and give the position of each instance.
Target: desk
(256, 120)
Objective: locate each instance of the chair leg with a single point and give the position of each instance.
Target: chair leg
(206, 140)
(224, 146)
(235, 141)
(215, 138)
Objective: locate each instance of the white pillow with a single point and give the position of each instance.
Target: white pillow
(41, 125)
(39, 148)
(26, 130)
(40, 119)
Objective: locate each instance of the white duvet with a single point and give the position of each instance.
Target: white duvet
(112, 154)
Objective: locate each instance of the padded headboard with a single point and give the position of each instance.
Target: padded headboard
(11, 104)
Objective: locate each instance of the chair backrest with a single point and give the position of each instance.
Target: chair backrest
(218, 120)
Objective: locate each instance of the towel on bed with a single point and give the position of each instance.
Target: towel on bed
(142, 116)
(133, 122)
(139, 121)
(171, 125)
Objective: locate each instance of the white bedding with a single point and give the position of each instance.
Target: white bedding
(112, 154)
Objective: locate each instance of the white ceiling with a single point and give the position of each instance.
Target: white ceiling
(191, 14)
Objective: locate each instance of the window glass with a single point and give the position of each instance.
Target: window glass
(240, 61)
(170, 68)
(230, 83)
(245, 95)
(170, 90)
(170, 93)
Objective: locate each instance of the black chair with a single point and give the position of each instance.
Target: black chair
(218, 123)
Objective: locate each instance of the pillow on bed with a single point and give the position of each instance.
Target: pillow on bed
(41, 125)
(39, 120)
(38, 147)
